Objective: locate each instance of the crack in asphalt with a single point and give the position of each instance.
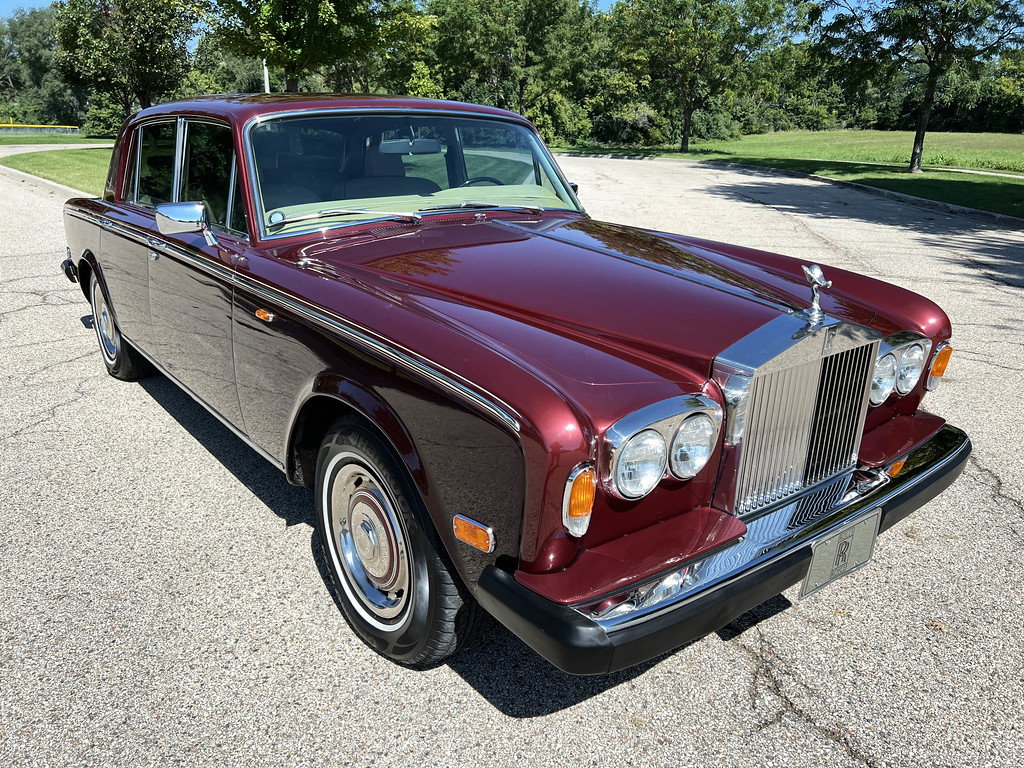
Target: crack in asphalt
(29, 375)
(46, 298)
(991, 477)
(765, 672)
(78, 393)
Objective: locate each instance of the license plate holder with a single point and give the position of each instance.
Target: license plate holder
(841, 552)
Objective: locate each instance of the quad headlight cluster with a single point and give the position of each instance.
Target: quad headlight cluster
(899, 367)
(674, 437)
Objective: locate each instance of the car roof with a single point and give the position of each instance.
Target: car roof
(240, 108)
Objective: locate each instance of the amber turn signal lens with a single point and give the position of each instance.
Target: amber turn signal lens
(896, 467)
(581, 498)
(477, 535)
(941, 361)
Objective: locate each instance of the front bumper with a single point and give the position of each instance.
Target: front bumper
(580, 645)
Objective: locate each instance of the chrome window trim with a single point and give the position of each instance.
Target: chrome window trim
(664, 417)
(252, 122)
(137, 131)
(390, 350)
(180, 171)
(179, 156)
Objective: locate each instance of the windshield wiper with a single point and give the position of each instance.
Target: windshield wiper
(396, 215)
(469, 204)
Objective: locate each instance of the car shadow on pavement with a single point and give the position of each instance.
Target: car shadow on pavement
(994, 247)
(292, 504)
(517, 681)
(498, 665)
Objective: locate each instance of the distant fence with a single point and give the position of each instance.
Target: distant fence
(12, 127)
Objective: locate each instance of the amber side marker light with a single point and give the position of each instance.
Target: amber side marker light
(939, 363)
(477, 535)
(578, 502)
(896, 468)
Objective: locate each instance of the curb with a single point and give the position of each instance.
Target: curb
(1011, 222)
(44, 184)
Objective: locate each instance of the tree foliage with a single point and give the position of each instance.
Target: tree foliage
(300, 35)
(133, 51)
(31, 89)
(930, 40)
(693, 51)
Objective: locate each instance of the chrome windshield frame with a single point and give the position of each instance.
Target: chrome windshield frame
(253, 186)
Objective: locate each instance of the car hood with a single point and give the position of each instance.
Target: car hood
(596, 302)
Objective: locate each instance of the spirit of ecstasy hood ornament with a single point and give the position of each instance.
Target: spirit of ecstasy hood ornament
(817, 280)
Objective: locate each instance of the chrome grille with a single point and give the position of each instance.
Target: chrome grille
(804, 424)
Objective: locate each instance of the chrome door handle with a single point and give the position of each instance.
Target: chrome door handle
(153, 255)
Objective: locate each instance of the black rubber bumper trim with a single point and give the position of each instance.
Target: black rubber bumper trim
(579, 646)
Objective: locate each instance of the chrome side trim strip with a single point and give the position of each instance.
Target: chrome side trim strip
(777, 534)
(435, 373)
(213, 412)
(440, 376)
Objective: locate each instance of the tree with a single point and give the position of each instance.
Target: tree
(692, 51)
(936, 38)
(521, 55)
(299, 35)
(134, 51)
(27, 73)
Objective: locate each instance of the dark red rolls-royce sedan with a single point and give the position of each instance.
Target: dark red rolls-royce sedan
(612, 440)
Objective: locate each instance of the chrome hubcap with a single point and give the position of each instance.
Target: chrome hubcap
(106, 331)
(368, 543)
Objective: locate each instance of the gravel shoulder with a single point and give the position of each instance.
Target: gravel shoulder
(160, 601)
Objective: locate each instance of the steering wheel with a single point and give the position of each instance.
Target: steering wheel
(475, 179)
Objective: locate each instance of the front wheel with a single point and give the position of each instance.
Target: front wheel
(392, 584)
(123, 361)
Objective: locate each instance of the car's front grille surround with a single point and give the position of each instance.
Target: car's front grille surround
(805, 416)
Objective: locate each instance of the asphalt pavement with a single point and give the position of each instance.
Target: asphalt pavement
(161, 604)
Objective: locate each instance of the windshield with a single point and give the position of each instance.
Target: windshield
(339, 169)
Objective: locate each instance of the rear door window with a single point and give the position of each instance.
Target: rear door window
(156, 164)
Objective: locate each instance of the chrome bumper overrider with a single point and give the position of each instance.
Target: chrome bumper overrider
(777, 532)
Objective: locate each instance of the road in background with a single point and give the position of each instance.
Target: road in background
(160, 601)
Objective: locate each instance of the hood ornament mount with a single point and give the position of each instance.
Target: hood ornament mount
(817, 280)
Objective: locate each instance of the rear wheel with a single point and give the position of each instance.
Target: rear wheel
(391, 581)
(123, 361)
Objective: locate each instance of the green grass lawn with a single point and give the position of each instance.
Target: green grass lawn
(48, 138)
(84, 169)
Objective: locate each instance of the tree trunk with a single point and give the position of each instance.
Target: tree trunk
(922, 120)
(291, 79)
(684, 145)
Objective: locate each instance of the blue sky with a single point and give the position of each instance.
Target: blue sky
(7, 6)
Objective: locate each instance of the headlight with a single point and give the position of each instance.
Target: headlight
(692, 446)
(641, 464)
(911, 366)
(884, 380)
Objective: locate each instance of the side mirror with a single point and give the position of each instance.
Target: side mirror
(184, 219)
(574, 187)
